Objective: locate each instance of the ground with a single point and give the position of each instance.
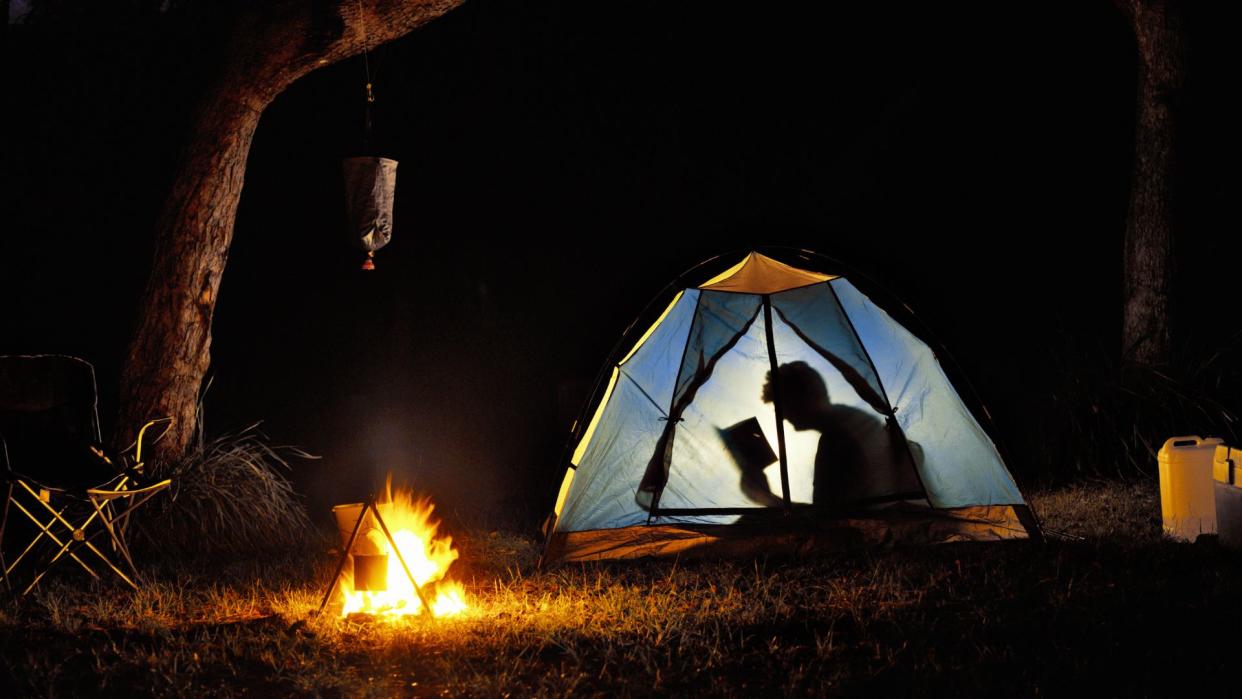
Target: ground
(1106, 605)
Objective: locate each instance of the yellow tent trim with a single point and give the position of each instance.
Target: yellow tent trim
(727, 273)
(590, 430)
(560, 497)
(650, 330)
(760, 274)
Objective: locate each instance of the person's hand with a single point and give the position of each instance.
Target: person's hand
(755, 487)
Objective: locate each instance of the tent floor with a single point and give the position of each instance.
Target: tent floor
(795, 536)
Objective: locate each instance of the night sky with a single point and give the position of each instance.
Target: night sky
(560, 162)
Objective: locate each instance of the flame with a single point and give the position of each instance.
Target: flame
(428, 557)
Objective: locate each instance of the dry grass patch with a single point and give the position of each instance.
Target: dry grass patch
(1020, 618)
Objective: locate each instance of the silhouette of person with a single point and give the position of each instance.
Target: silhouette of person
(858, 455)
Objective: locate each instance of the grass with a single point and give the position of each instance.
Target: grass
(1109, 607)
(229, 497)
(1100, 415)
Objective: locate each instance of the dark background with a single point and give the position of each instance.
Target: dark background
(560, 162)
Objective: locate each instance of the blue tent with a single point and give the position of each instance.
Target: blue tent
(776, 408)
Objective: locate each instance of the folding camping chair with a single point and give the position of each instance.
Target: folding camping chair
(58, 474)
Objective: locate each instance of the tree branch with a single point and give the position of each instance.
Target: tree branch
(302, 35)
(260, 50)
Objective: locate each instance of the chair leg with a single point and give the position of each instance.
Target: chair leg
(117, 543)
(90, 547)
(85, 542)
(122, 519)
(112, 519)
(64, 548)
(33, 542)
(109, 514)
(45, 530)
(108, 562)
(4, 521)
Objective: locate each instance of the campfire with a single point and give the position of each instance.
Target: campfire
(379, 581)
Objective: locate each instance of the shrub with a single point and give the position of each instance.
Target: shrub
(1103, 418)
(229, 496)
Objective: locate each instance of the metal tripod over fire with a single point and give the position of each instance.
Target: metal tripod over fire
(370, 571)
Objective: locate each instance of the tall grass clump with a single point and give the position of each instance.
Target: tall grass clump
(1104, 418)
(229, 496)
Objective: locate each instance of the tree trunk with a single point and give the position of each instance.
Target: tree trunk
(170, 350)
(1148, 243)
(266, 48)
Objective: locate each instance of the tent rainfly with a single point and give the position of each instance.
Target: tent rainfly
(778, 409)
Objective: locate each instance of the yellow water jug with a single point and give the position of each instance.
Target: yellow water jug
(1187, 503)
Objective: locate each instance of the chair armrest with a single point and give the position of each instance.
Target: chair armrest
(114, 494)
(142, 436)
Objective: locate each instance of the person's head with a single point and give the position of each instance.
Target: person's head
(804, 396)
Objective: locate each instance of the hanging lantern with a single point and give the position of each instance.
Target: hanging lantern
(370, 185)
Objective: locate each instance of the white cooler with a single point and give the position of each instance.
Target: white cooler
(1187, 500)
(1227, 487)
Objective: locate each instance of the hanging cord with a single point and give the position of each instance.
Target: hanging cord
(369, 117)
(368, 122)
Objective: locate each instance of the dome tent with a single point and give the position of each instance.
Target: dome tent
(776, 408)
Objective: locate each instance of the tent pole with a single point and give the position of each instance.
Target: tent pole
(1026, 516)
(1029, 519)
(891, 417)
(776, 401)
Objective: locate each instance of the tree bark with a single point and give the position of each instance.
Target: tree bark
(1147, 274)
(264, 49)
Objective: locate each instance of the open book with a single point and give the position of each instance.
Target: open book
(752, 453)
